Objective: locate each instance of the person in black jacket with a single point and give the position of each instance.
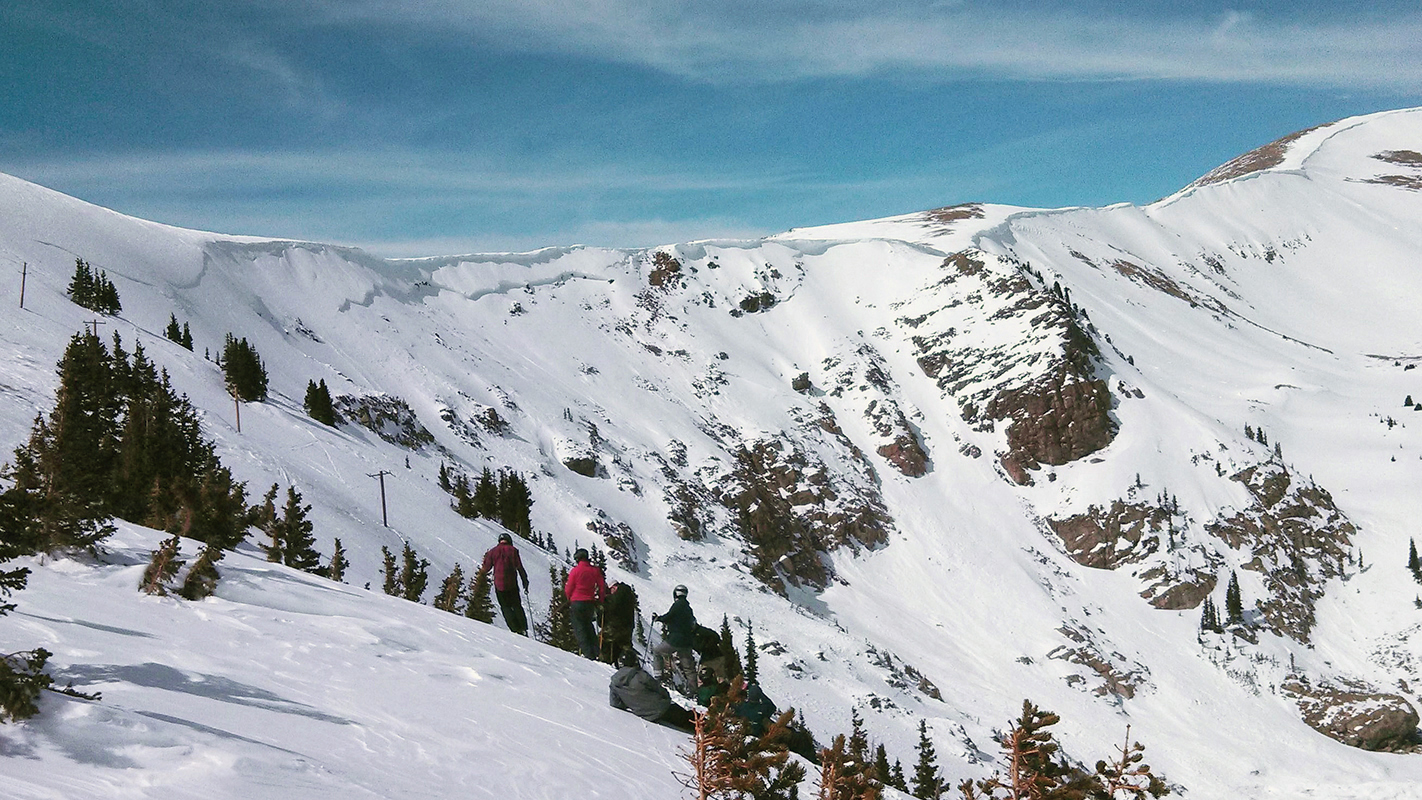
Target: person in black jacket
(680, 624)
(632, 689)
(619, 619)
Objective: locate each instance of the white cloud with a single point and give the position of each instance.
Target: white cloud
(768, 41)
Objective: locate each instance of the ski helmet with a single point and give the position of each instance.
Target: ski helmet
(504, 538)
(679, 591)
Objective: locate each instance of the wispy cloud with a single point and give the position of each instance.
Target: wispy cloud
(785, 39)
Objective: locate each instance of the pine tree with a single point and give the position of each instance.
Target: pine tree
(1035, 766)
(449, 590)
(336, 570)
(1234, 603)
(728, 761)
(1413, 564)
(752, 673)
(299, 545)
(728, 649)
(246, 374)
(515, 503)
(477, 605)
(926, 784)
(268, 522)
(318, 403)
(202, 577)
(187, 338)
(1128, 775)
(162, 567)
(484, 501)
(444, 477)
(897, 779)
(414, 574)
(92, 290)
(392, 577)
(842, 777)
(882, 772)
(173, 332)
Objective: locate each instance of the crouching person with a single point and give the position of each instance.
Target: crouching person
(634, 689)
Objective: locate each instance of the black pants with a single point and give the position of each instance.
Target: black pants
(583, 612)
(511, 606)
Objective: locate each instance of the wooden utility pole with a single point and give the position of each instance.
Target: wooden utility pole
(24, 273)
(93, 327)
(384, 518)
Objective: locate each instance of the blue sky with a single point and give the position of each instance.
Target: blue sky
(449, 126)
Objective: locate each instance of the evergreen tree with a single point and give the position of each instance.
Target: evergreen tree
(1234, 603)
(202, 577)
(162, 567)
(842, 777)
(444, 477)
(728, 649)
(81, 284)
(173, 332)
(728, 760)
(464, 503)
(1413, 564)
(92, 290)
(414, 574)
(1036, 768)
(187, 338)
(318, 403)
(392, 577)
(477, 605)
(266, 519)
(752, 673)
(926, 783)
(882, 772)
(336, 570)
(485, 500)
(897, 779)
(298, 543)
(22, 675)
(515, 503)
(448, 597)
(246, 374)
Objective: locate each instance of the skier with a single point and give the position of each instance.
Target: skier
(680, 624)
(632, 689)
(707, 644)
(756, 708)
(503, 559)
(711, 686)
(585, 590)
(619, 618)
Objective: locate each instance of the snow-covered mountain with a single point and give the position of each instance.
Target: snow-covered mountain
(943, 462)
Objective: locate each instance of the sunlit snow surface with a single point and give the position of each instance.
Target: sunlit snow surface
(286, 685)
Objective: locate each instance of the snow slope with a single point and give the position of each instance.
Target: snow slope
(1282, 299)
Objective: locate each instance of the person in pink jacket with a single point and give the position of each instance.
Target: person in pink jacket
(585, 590)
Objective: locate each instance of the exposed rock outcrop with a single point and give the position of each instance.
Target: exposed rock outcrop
(1299, 539)
(1355, 715)
(1044, 386)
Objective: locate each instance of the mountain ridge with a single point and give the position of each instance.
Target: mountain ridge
(990, 338)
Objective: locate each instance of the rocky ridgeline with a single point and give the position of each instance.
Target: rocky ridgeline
(1003, 350)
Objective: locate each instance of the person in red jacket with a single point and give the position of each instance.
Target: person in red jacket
(585, 590)
(507, 568)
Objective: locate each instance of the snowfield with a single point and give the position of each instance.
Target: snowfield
(1283, 299)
